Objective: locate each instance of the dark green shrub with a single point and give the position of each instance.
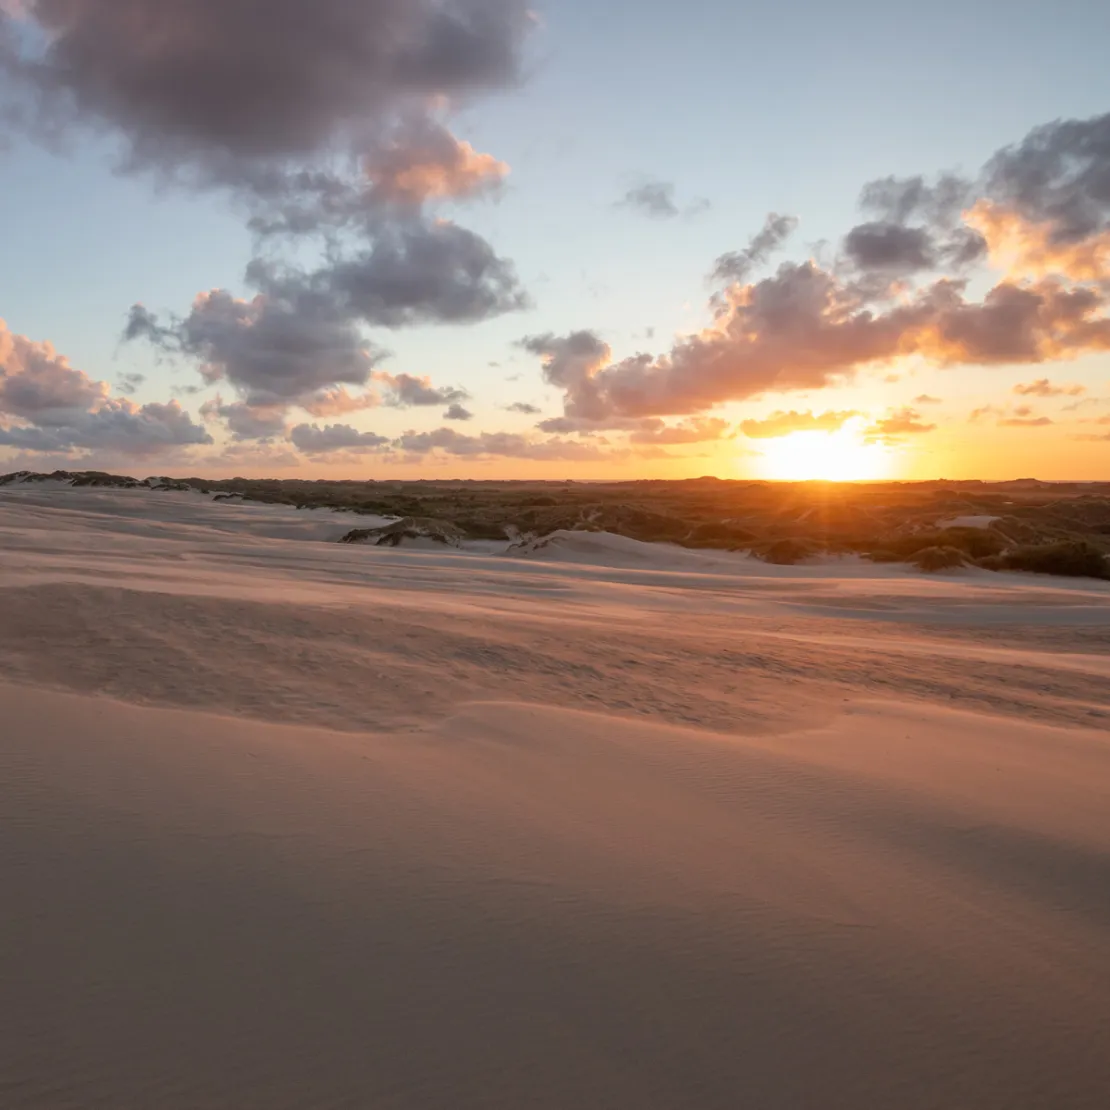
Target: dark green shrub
(1071, 559)
(933, 559)
(786, 552)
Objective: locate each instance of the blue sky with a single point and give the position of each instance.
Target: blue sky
(788, 108)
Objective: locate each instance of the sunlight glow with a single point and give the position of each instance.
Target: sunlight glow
(840, 456)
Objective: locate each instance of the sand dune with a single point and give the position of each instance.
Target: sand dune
(289, 824)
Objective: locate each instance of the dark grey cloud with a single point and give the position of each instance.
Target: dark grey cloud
(419, 272)
(890, 246)
(740, 265)
(457, 412)
(129, 383)
(313, 440)
(898, 200)
(917, 227)
(652, 198)
(524, 408)
(279, 349)
(299, 339)
(1059, 174)
(217, 82)
(406, 390)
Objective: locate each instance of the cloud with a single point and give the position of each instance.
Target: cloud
(695, 430)
(417, 272)
(1034, 249)
(1024, 422)
(897, 200)
(739, 265)
(500, 444)
(285, 347)
(524, 408)
(917, 227)
(926, 399)
(129, 383)
(1057, 177)
(805, 328)
(888, 246)
(247, 422)
(38, 384)
(903, 422)
(298, 341)
(783, 423)
(652, 198)
(58, 408)
(426, 161)
(215, 84)
(457, 412)
(314, 440)
(408, 390)
(117, 425)
(319, 118)
(337, 401)
(1042, 387)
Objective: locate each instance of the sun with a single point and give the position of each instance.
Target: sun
(840, 456)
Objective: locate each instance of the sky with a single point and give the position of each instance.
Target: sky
(473, 238)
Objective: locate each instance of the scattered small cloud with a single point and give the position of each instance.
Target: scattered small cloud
(406, 391)
(739, 265)
(903, 422)
(656, 200)
(652, 198)
(129, 383)
(457, 412)
(699, 429)
(1042, 387)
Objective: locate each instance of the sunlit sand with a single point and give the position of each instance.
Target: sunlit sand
(290, 824)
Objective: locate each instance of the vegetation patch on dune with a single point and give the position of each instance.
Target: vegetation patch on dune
(1049, 528)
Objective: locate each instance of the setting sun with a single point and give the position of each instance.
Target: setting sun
(839, 456)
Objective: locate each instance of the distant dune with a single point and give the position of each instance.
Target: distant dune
(292, 823)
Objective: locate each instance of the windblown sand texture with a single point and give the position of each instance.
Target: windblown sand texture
(289, 824)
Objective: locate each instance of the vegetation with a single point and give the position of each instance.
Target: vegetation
(1049, 528)
(932, 559)
(1071, 559)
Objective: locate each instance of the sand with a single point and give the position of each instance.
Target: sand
(288, 824)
